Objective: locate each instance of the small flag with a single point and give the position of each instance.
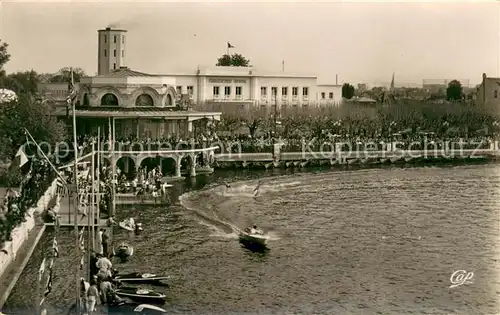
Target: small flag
(55, 247)
(71, 93)
(229, 45)
(48, 287)
(81, 239)
(20, 159)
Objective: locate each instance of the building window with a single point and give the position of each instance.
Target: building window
(114, 53)
(263, 91)
(495, 94)
(330, 95)
(295, 91)
(284, 91)
(105, 52)
(322, 95)
(274, 91)
(190, 90)
(227, 90)
(115, 39)
(105, 39)
(178, 89)
(305, 91)
(114, 66)
(123, 39)
(238, 91)
(216, 91)
(123, 53)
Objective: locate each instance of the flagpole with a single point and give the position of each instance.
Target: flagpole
(93, 196)
(90, 209)
(98, 202)
(46, 158)
(113, 168)
(227, 49)
(75, 191)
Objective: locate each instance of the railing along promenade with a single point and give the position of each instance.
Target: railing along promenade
(244, 151)
(341, 152)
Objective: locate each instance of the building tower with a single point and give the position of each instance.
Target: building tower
(111, 52)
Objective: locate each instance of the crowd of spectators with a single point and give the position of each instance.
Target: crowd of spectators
(17, 203)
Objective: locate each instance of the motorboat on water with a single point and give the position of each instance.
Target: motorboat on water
(126, 308)
(128, 224)
(253, 235)
(123, 251)
(137, 277)
(139, 294)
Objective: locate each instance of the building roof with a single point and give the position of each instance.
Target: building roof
(126, 72)
(137, 112)
(365, 99)
(108, 29)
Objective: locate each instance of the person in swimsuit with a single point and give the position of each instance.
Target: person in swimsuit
(256, 190)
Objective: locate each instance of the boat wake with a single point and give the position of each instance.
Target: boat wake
(219, 207)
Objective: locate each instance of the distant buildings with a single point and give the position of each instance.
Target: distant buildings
(438, 86)
(487, 93)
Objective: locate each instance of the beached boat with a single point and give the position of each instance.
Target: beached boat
(138, 294)
(138, 277)
(125, 308)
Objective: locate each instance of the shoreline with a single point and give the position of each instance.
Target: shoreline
(252, 161)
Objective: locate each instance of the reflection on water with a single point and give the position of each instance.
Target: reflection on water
(373, 241)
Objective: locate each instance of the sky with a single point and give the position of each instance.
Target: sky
(360, 42)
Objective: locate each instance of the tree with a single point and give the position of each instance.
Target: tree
(64, 75)
(33, 114)
(235, 60)
(21, 82)
(4, 57)
(454, 91)
(347, 91)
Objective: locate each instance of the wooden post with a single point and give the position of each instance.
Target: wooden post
(75, 191)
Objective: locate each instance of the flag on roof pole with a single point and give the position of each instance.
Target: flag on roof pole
(71, 93)
(229, 45)
(20, 159)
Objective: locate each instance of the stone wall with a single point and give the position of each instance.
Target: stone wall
(20, 233)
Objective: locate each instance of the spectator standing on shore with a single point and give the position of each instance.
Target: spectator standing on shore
(105, 243)
(92, 294)
(99, 248)
(84, 286)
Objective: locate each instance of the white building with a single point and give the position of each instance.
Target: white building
(228, 87)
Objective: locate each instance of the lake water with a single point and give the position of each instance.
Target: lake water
(366, 241)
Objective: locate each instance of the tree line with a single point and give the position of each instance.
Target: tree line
(30, 111)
